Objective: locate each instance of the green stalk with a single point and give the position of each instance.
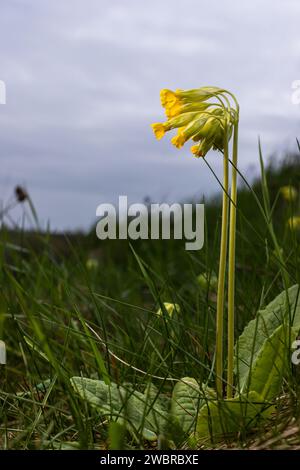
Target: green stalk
(221, 277)
(231, 265)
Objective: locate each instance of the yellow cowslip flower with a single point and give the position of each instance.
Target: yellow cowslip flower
(174, 102)
(212, 128)
(158, 129)
(202, 118)
(178, 140)
(195, 149)
(289, 193)
(189, 131)
(205, 146)
(174, 110)
(92, 263)
(294, 222)
(168, 97)
(180, 108)
(170, 309)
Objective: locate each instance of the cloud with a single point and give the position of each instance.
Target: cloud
(83, 80)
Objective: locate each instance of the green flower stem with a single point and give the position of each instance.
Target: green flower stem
(231, 265)
(221, 277)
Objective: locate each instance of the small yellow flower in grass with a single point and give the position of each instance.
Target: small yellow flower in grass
(92, 263)
(158, 129)
(170, 309)
(289, 193)
(294, 222)
(206, 280)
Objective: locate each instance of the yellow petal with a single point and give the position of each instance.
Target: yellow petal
(158, 129)
(178, 140)
(174, 110)
(195, 151)
(170, 309)
(167, 97)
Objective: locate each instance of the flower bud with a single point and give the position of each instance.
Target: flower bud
(170, 309)
(294, 222)
(289, 193)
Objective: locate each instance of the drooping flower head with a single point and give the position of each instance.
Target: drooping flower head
(199, 115)
(205, 116)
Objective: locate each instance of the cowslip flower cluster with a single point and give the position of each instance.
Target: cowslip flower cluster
(198, 115)
(209, 116)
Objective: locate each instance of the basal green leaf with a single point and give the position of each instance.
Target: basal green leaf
(142, 412)
(185, 403)
(106, 398)
(219, 418)
(187, 399)
(271, 363)
(255, 334)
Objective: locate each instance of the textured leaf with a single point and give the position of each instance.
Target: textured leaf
(226, 417)
(67, 445)
(262, 327)
(187, 399)
(271, 363)
(158, 406)
(106, 398)
(185, 402)
(141, 412)
(136, 416)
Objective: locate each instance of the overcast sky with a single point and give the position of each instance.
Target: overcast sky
(83, 80)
